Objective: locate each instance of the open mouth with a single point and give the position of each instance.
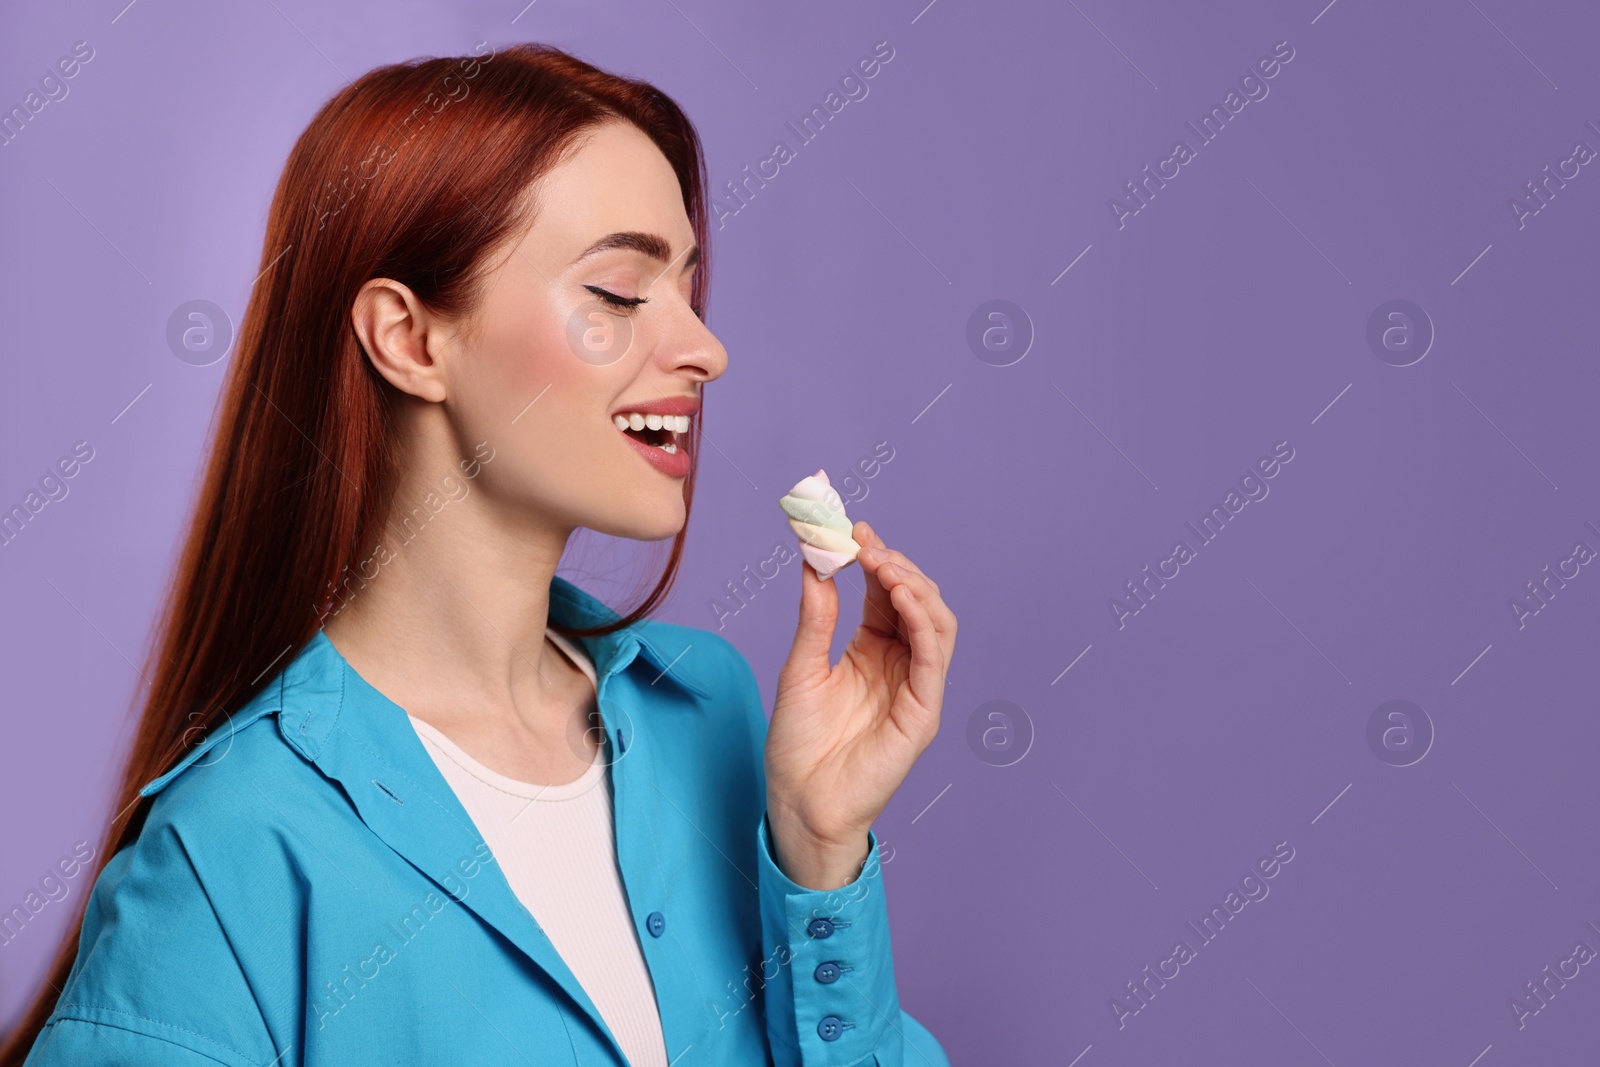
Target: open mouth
(659, 431)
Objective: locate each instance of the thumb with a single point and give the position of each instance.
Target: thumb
(813, 635)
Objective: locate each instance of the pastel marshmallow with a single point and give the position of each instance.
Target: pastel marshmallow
(816, 514)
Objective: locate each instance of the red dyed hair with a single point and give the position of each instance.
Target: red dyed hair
(414, 172)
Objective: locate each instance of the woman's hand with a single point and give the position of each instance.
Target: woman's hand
(842, 739)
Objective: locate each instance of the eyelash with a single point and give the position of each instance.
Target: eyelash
(616, 301)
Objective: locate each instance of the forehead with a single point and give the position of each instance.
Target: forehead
(612, 179)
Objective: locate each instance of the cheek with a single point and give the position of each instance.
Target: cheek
(525, 391)
(520, 349)
(517, 355)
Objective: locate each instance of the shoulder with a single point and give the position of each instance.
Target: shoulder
(224, 814)
(246, 775)
(157, 967)
(236, 826)
(214, 881)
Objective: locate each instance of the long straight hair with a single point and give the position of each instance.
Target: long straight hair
(414, 172)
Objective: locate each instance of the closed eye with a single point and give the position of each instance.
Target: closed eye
(617, 301)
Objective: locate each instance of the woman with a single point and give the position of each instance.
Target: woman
(399, 793)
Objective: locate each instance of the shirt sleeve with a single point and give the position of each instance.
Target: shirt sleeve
(832, 1001)
(116, 1040)
(155, 980)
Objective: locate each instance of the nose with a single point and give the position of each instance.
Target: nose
(689, 349)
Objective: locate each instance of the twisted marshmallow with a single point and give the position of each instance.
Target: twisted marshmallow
(817, 516)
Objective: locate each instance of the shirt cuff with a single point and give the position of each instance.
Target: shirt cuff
(832, 996)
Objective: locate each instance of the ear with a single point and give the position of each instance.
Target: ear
(394, 327)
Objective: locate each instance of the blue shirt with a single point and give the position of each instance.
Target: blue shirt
(307, 889)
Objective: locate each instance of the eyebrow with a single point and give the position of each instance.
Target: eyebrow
(647, 243)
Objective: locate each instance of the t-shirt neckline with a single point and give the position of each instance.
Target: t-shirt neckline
(515, 786)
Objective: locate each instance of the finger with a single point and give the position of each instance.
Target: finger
(927, 588)
(877, 542)
(866, 536)
(877, 552)
(819, 612)
(877, 609)
(893, 576)
(927, 676)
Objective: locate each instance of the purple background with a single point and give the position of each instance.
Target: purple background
(1221, 319)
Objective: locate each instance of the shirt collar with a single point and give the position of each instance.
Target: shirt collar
(314, 680)
(572, 607)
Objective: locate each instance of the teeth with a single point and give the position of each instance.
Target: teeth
(669, 448)
(632, 420)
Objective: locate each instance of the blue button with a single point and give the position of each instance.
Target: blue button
(820, 928)
(830, 1028)
(656, 923)
(827, 973)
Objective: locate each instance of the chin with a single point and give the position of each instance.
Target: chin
(656, 524)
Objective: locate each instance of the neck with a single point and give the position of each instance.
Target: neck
(459, 606)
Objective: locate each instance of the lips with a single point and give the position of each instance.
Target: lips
(658, 430)
(674, 463)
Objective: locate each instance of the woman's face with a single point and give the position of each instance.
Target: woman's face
(585, 322)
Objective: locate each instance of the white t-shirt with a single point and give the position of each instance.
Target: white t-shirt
(556, 847)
